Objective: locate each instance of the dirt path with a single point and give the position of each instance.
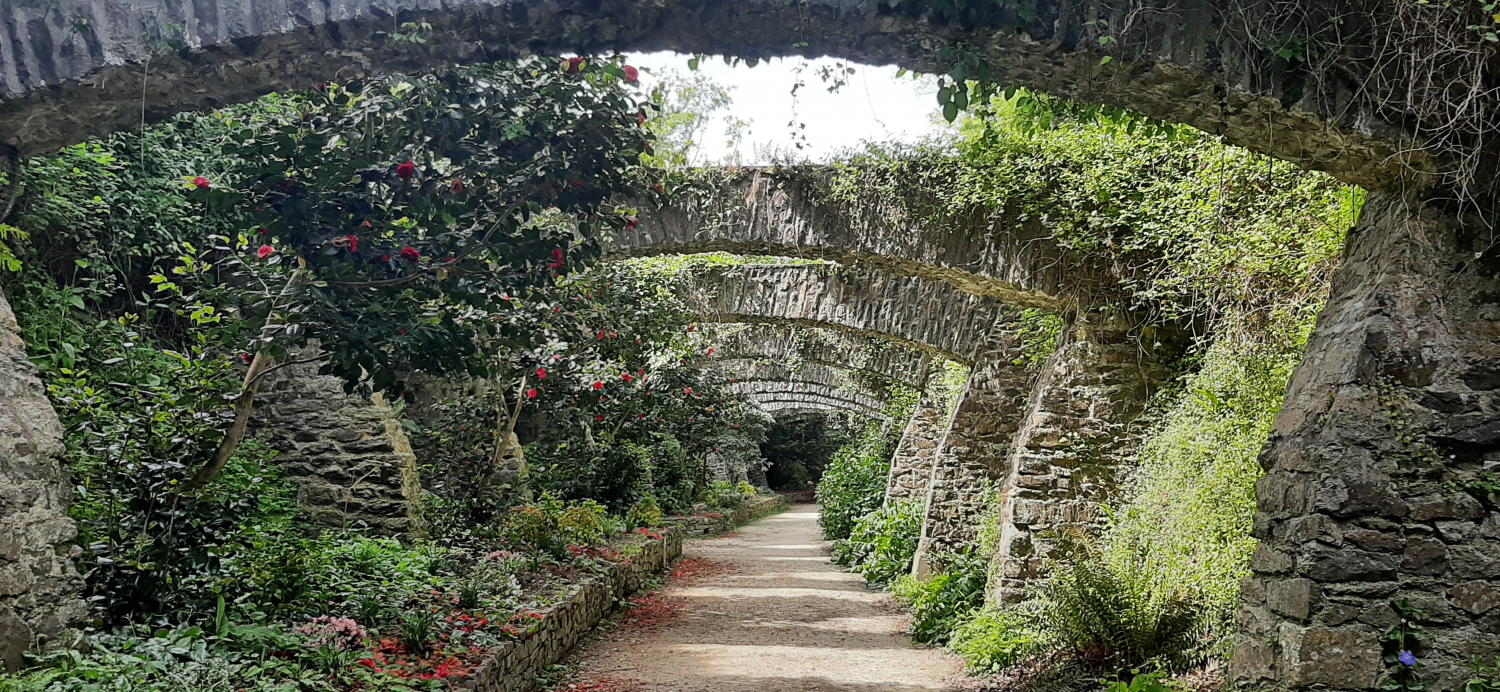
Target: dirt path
(767, 612)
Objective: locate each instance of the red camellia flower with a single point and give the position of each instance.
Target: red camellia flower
(541, 373)
(531, 394)
(688, 391)
(265, 251)
(411, 253)
(632, 75)
(457, 187)
(627, 377)
(659, 188)
(640, 118)
(579, 183)
(201, 183)
(246, 357)
(353, 242)
(576, 65)
(406, 170)
(632, 223)
(710, 352)
(599, 418)
(598, 386)
(262, 231)
(557, 258)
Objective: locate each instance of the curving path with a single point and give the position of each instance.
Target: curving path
(779, 616)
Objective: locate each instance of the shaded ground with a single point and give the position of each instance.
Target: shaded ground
(763, 609)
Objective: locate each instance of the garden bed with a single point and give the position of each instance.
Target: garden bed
(724, 521)
(514, 667)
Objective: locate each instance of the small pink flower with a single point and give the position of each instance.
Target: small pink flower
(632, 75)
(201, 183)
(265, 251)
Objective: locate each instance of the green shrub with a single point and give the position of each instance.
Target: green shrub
(644, 513)
(1117, 614)
(1486, 677)
(944, 599)
(722, 495)
(583, 523)
(853, 485)
(992, 640)
(883, 542)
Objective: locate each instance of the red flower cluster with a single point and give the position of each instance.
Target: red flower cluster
(411, 253)
(406, 170)
(541, 373)
(557, 258)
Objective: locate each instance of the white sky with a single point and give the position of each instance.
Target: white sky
(874, 105)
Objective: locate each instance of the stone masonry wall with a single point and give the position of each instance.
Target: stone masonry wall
(40, 591)
(1074, 444)
(912, 462)
(515, 666)
(348, 455)
(1394, 409)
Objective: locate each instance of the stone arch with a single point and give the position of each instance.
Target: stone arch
(1006, 256)
(864, 356)
(77, 69)
(924, 315)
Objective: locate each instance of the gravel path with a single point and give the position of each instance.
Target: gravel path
(767, 612)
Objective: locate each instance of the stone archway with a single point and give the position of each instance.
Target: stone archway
(1408, 329)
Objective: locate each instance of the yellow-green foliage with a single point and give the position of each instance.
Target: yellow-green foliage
(1192, 501)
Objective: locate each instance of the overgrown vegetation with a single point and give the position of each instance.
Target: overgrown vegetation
(1233, 243)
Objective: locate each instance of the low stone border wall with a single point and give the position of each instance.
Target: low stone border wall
(514, 668)
(711, 524)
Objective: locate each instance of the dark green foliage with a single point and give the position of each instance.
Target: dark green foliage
(1401, 647)
(798, 449)
(416, 631)
(854, 483)
(883, 542)
(946, 598)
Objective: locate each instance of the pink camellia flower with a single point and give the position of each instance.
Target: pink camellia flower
(411, 253)
(265, 251)
(201, 183)
(632, 75)
(406, 170)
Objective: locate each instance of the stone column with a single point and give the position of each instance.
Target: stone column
(1075, 440)
(40, 591)
(974, 450)
(911, 464)
(348, 455)
(1393, 414)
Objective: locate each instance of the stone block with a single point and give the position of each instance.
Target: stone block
(1345, 658)
(1476, 597)
(1425, 556)
(1291, 597)
(1330, 565)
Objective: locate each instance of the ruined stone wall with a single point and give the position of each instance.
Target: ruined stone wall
(347, 455)
(1076, 443)
(1394, 408)
(40, 591)
(912, 462)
